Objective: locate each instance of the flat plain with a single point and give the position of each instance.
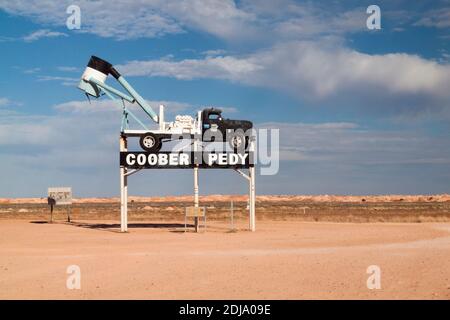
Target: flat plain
(301, 250)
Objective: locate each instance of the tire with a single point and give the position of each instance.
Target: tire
(238, 141)
(150, 142)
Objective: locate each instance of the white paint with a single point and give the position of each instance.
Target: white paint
(90, 73)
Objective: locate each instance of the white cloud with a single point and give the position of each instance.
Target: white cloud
(316, 72)
(88, 127)
(43, 33)
(6, 39)
(118, 19)
(171, 108)
(65, 81)
(106, 105)
(31, 70)
(351, 144)
(312, 22)
(77, 146)
(84, 136)
(68, 69)
(221, 18)
(216, 52)
(438, 18)
(226, 19)
(247, 20)
(228, 67)
(4, 102)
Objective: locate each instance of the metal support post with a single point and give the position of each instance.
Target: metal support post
(252, 193)
(123, 189)
(252, 198)
(196, 219)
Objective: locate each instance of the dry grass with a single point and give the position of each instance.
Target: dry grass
(267, 208)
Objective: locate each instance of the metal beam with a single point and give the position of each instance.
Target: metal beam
(105, 87)
(129, 173)
(242, 174)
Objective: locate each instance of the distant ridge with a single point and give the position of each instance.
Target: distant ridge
(260, 198)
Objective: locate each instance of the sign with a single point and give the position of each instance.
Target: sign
(61, 195)
(195, 211)
(184, 160)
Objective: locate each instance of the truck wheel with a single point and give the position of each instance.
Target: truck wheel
(237, 141)
(150, 142)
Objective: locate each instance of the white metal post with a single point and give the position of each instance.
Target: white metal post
(252, 198)
(123, 189)
(252, 192)
(196, 219)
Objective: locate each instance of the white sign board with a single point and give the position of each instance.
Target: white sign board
(62, 195)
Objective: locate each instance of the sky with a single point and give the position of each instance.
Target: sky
(359, 111)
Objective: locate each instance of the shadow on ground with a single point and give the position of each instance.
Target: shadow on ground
(115, 227)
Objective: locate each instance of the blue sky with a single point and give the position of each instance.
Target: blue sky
(359, 111)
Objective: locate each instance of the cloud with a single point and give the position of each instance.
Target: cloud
(351, 144)
(216, 52)
(141, 18)
(221, 18)
(225, 19)
(65, 81)
(106, 105)
(77, 146)
(171, 108)
(320, 73)
(228, 67)
(6, 39)
(91, 129)
(43, 33)
(247, 20)
(68, 69)
(438, 18)
(31, 70)
(310, 22)
(116, 19)
(4, 102)
(87, 125)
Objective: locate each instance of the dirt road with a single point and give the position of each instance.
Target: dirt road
(282, 260)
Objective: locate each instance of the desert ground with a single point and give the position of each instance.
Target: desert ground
(303, 248)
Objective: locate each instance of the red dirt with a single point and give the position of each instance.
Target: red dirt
(281, 260)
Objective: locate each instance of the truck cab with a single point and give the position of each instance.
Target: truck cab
(232, 131)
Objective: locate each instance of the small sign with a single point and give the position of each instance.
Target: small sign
(195, 211)
(61, 195)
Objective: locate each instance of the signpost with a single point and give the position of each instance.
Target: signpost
(209, 126)
(195, 212)
(59, 196)
(132, 162)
